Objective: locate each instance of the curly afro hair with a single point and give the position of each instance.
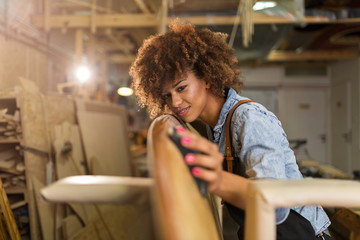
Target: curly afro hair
(165, 57)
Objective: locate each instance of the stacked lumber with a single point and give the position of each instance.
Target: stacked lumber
(313, 168)
(91, 151)
(63, 137)
(11, 161)
(12, 167)
(10, 127)
(345, 223)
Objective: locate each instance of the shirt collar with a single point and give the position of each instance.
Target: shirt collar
(231, 100)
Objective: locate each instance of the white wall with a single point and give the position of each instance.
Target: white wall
(345, 77)
(301, 104)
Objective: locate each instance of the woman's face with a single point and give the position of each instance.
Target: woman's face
(186, 96)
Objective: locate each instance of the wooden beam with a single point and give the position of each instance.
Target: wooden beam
(163, 15)
(257, 18)
(108, 6)
(311, 55)
(118, 58)
(119, 43)
(79, 5)
(90, 51)
(93, 16)
(150, 20)
(79, 46)
(103, 20)
(142, 6)
(47, 10)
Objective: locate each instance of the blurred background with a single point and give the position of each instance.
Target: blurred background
(65, 60)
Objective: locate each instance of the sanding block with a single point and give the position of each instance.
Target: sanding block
(176, 138)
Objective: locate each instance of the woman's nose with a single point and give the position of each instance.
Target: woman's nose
(175, 100)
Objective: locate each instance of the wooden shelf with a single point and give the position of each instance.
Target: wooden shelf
(15, 190)
(9, 141)
(18, 204)
(12, 96)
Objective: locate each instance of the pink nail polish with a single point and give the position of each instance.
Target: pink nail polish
(186, 140)
(189, 158)
(180, 129)
(195, 171)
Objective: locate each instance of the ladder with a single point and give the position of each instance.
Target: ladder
(8, 216)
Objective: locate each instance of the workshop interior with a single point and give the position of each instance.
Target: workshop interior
(80, 159)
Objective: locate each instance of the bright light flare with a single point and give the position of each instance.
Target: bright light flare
(125, 91)
(263, 4)
(83, 73)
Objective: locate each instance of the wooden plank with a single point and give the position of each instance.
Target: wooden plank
(47, 13)
(330, 171)
(3, 234)
(118, 42)
(70, 226)
(119, 58)
(68, 163)
(142, 6)
(163, 13)
(46, 212)
(71, 162)
(93, 16)
(105, 155)
(89, 232)
(149, 20)
(313, 55)
(108, 6)
(105, 137)
(11, 140)
(121, 221)
(124, 221)
(39, 114)
(181, 211)
(58, 109)
(101, 107)
(99, 189)
(79, 46)
(346, 224)
(81, 5)
(91, 53)
(103, 20)
(34, 135)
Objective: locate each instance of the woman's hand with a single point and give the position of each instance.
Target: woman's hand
(208, 163)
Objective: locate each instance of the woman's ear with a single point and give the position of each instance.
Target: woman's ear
(207, 85)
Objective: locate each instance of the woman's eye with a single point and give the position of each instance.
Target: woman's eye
(180, 89)
(165, 96)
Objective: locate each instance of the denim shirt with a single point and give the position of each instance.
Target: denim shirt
(261, 144)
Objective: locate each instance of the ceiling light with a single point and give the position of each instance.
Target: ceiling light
(125, 91)
(263, 4)
(83, 74)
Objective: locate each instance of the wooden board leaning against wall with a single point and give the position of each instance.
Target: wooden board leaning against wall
(49, 122)
(39, 113)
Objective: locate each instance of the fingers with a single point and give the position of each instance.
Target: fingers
(208, 163)
(196, 142)
(213, 178)
(204, 161)
(205, 167)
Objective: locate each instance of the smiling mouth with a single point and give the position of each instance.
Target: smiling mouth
(183, 111)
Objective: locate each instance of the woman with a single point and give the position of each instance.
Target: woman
(191, 74)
